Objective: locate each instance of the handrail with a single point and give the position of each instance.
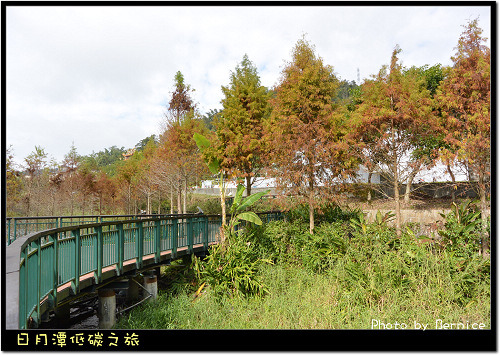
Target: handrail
(19, 226)
(46, 264)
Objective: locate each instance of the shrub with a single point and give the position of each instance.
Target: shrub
(320, 250)
(231, 271)
(328, 212)
(208, 205)
(462, 233)
(278, 240)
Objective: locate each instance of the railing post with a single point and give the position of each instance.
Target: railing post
(157, 243)
(76, 284)
(190, 235)
(15, 229)
(8, 233)
(39, 279)
(99, 255)
(120, 248)
(174, 238)
(23, 289)
(140, 244)
(205, 234)
(53, 294)
(56, 267)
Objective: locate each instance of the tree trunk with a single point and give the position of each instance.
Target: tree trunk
(396, 185)
(184, 208)
(223, 207)
(369, 197)
(28, 199)
(453, 187)
(53, 204)
(311, 204)
(179, 197)
(398, 206)
(159, 200)
(249, 185)
(485, 238)
(409, 183)
(171, 200)
(128, 200)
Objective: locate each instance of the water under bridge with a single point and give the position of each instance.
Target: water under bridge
(53, 260)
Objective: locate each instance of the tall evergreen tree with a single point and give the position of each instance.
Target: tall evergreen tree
(239, 126)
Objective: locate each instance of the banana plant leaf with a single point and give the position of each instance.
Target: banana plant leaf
(250, 217)
(250, 200)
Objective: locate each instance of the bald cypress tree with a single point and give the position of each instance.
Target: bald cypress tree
(464, 100)
(308, 154)
(181, 102)
(394, 114)
(239, 126)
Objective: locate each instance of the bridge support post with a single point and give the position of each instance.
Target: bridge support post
(45, 318)
(151, 286)
(133, 289)
(107, 308)
(63, 314)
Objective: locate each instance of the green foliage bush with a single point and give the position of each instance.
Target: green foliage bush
(231, 271)
(209, 205)
(460, 244)
(328, 212)
(462, 232)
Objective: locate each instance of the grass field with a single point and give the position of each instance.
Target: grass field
(304, 300)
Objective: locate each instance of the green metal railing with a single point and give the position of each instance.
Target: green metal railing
(60, 257)
(19, 226)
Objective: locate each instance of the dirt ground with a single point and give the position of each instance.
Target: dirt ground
(387, 204)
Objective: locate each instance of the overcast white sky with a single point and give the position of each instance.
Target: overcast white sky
(102, 76)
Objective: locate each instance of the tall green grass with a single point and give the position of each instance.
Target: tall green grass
(304, 300)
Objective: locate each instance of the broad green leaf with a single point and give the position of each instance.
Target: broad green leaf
(250, 217)
(201, 141)
(214, 166)
(250, 200)
(237, 197)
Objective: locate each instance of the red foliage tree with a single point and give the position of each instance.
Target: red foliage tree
(305, 138)
(464, 100)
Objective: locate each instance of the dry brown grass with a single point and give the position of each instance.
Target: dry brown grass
(388, 204)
